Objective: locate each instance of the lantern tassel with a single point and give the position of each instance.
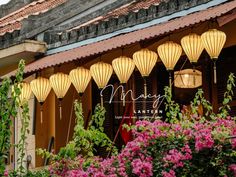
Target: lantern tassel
(194, 78)
(215, 76)
(123, 90)
(170, 79)
(101, 100)
(60, 108)
(41, 112)
(145, 87)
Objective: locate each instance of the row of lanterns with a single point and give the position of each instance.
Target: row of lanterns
(213, 41)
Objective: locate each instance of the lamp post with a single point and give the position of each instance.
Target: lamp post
(213, 41)
(60, 83)
(41, 88)
(101, 73)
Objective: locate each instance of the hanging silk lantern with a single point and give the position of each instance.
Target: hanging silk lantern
(123, 67)
(188, 78)
(145, 60)
(169, 53)
(80, 78)
(60, 83)
(101, 73)
(25, 93)
(214, 41)
(41, 88)
(192, 46)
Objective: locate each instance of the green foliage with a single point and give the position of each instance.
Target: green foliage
(84, 140)
(25, 118)
(225, 108)
(198, 101)
(8, 110)
(172, 108)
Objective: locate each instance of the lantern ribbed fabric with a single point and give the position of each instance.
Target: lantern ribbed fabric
(145, 61)
(25, 93)
(101, 73)
(60, 83)
(192, 46)
(123, 67)
(169, 52)
(213, 41)
(188, 78)
(41, 88)
(80, 78)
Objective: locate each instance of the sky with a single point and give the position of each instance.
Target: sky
(4, 1)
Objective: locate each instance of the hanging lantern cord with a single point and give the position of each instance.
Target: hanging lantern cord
(101, 96)
(123, 94)
(41, 112)
(60, 108)
(214, 68)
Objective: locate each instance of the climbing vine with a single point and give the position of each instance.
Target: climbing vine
(225, 108)
(8, 111)
(25, 118)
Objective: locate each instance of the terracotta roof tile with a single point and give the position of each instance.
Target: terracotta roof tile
(129, 38)
(123, 10)
(11, 21)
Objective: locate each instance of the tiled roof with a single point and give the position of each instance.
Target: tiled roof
(12, 21)
(134, 6)
(129, 38)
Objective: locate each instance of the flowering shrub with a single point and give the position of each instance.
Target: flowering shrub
(187, 144)
(168, 150)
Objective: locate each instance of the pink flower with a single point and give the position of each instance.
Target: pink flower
(142, 168)
(171, 173)
(5, 173)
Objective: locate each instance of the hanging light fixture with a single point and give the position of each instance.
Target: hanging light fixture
(60, 83)
(101, 73)
(145, 61)
(123, 67)
(25, 93)
(192, 46)
(188, 78)
(80, 78)
(169, 53)
(214, 41)
(41, 88)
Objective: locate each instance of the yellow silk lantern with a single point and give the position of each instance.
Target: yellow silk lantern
(60, 83)
(188, 78)
(213, 41)
(192, 46)
(145, 60)
(123, 67)
(101, 73)
(80, 78)
(25, 93)
(169, 52)
(41, 88)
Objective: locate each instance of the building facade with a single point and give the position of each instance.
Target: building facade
(59, 35)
